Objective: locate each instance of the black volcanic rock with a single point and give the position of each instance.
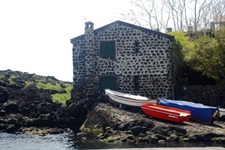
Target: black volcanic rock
(4, 94)
(123, 125)
(11, 106)
(23, 104)
(11, 129)
(24, 107)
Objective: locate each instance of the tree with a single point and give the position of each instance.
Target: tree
(220, 37)
(180, 46)
(218, 11)
(178, 11)
(204, 56)
(180, 14)
(148, 13)
(204, 53)
(208, 55)
(200, 7)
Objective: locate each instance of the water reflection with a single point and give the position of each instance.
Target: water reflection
(35, 142)
(71, 142)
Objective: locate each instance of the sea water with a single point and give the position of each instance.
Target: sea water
(35, 142)
(65, 141)
(69, 141)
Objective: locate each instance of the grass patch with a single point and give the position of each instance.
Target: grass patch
(28, 83)
(1, 77)
(11, 80)
(58, 97)
(48, 86)
(61, 98)
(68, 88)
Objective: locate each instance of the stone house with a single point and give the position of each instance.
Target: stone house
(122, 57)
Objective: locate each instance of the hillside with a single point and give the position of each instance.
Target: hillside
(16, 80)
(30, 100)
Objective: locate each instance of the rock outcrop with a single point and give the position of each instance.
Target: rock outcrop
(27, 108)
(109, 123)
(23, 104)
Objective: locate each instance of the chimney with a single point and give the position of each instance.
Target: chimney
(89, 27)
(90, 53)
(168, 29)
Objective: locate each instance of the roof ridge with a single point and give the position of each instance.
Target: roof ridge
(129, 25)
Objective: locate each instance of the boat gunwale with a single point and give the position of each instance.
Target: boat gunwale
(181, 114)
(130, 102)
(126, 95)
(193, 107)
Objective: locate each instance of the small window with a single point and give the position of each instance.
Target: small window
(136, 46)
(107, 49)
(136, 83)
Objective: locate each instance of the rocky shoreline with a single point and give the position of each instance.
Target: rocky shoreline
(36, 110)
(111, 124)
(31, 110)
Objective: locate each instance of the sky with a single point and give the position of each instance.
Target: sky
(35, 34)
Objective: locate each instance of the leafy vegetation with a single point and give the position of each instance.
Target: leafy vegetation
(11, 79)
(205, 57)
(59, 98)
(48, 86)
(204, 53)
(61, 89)
(1, 77)
(68, 88)
(28, 83)
(180, 46)
(62, 98)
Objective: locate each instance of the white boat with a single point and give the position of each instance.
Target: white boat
(222, 112)
(127, 99)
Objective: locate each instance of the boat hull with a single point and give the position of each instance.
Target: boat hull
(127, 99)
(199, 112)
(222, 112)
(166, 113)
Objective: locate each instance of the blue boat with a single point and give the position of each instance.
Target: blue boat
(199, 112)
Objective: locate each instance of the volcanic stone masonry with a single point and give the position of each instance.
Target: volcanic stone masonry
(135, 60)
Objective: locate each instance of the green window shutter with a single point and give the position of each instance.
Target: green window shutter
(107, 49)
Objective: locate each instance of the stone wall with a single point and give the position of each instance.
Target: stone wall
(212, 95)
(152, 62)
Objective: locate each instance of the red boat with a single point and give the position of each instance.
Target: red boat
(166, 113)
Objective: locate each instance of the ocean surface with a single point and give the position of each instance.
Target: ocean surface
(35, 142)
(51, 142)
(65, 142)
